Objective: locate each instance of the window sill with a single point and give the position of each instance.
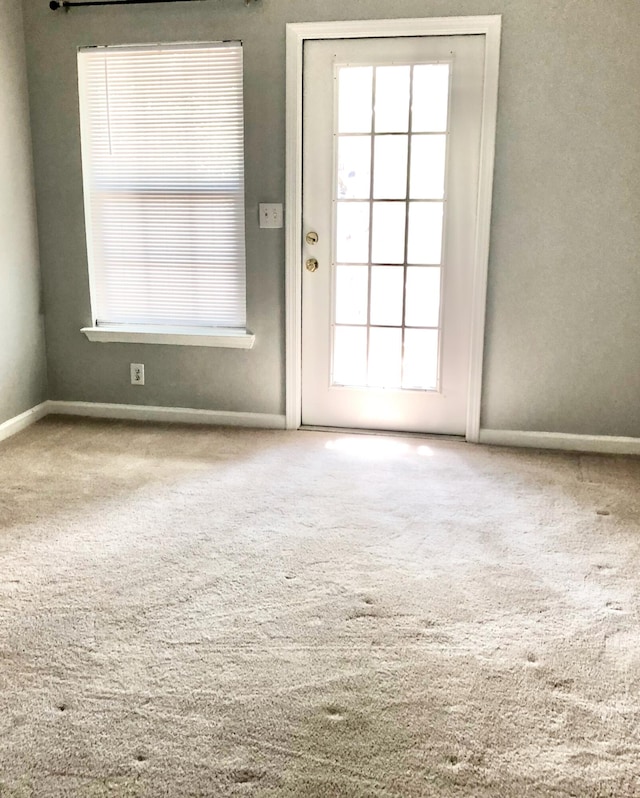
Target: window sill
(174, 336)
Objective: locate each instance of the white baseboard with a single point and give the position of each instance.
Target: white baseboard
(180, 415)
(16, 424)
(601, 444)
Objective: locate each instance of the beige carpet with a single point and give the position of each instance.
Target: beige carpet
(212, 612)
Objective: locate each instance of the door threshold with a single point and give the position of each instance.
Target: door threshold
(386, 432)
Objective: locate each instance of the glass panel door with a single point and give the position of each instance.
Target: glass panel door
(390, 151)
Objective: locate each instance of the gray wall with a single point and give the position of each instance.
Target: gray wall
(22, 355)
(563, 325)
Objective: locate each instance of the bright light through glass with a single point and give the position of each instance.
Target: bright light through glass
(387, 244)
(354, 167)
(352, 234)
(350, 356)
(423, 296)
(354, 99)
(428, 157)
(387, 289)
(390, 170)
(392, 99)
(385, 357)
(430, 98)
(420, 359)
(352, 286)
(425, 232)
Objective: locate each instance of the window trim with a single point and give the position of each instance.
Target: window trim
(297, 33)
(226, 337)
(206, 336)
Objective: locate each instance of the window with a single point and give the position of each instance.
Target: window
(163, 169)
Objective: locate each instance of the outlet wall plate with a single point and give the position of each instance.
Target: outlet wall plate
(137, 373)
(271, 215)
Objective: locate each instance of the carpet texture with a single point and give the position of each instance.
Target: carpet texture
(212, 612)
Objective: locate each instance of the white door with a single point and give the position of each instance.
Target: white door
(391, 146)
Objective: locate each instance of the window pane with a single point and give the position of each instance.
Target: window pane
(430, 98)
(390, 171)
(420, 359)
(388, 232)
(352, 283)
(423, 296)
(387, 289)
(352, 244)
(385, 357)
(350, 356)
(354, 103)
(425, 232)
(428, 158)
(392, 99)
(354, 167)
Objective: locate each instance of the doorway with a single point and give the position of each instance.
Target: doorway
(391, 210)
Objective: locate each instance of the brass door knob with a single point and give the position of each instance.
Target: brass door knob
(312, 265)
(311, 238)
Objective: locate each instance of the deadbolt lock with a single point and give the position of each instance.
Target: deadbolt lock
(312, 238)
(312, 265)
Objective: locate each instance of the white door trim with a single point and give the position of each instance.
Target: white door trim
(297, 34)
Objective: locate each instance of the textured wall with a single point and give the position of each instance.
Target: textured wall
(563, 325)
(22, 356)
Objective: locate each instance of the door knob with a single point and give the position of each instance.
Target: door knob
(312, 265)
(311, 238)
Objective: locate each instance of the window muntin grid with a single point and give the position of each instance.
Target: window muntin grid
(390, 163)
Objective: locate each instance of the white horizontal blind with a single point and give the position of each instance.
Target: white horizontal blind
(163, 168)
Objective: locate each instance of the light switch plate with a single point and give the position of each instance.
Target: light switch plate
(271, 214)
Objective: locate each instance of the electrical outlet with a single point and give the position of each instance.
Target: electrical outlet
(271, 214)
(137, 373)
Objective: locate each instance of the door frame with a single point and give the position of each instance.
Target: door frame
(297, 34)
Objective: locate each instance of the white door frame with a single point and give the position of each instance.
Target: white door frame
(297, 34)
